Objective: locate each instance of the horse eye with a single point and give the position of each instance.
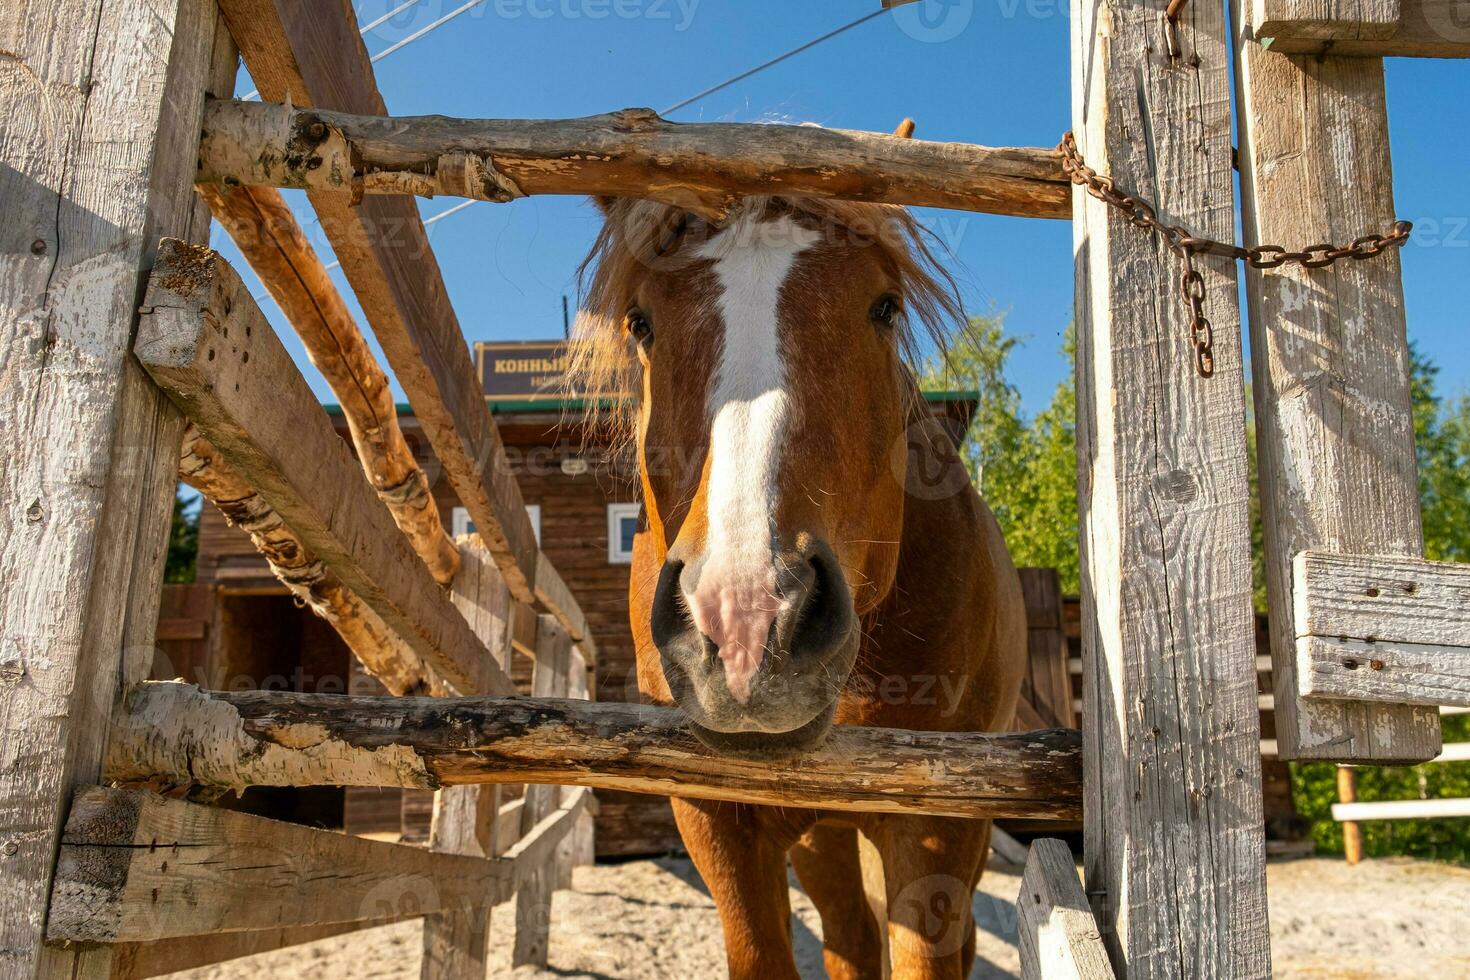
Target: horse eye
(885, 311)
(639, 328)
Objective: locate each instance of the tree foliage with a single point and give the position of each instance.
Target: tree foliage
(183, 541)
(1025, 468)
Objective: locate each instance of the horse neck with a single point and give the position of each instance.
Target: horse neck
(938, 545)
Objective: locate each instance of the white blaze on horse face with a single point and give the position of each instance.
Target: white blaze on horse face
(735, 599)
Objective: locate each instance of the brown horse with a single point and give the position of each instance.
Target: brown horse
(814, 553)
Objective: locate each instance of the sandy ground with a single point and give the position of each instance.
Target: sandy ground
(653, 919)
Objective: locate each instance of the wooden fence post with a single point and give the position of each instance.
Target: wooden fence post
(1175, 855)
(533, 899)
(1330, 367)
(1055, 929)
(465, 816)
(97, 156)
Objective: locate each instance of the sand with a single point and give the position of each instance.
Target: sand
(647, 920)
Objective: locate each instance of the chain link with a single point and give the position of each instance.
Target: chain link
(1141, 214)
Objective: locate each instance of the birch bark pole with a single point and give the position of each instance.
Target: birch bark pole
(378, 648)
(262, 225)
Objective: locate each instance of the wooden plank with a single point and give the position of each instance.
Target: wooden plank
(579, 848)
(540, 842)
(178, 733)
(1454, 752)
(1057, 935)
(455, 941)
(137, 866)
(380, 650)
(703, 167)
(1169, 690)
(508, 823)
(1381, 598)
(97, 149)
(1007, 848)
(550, 679)
(208, 346)
(1326, 19)
(136, 961)
(1425, 29)
(1390, 672)
(1382, 628)
(1402, 810)
(312, 55)
(268, 235)
(464, 817)
(553, 593)
(1046, 647)
(1330, 368)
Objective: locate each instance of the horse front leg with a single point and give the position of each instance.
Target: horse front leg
(740, 851)
(930, 868)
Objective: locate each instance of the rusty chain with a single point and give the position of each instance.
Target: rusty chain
(1191, 284)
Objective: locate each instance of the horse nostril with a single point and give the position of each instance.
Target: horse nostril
(823, 616)
(669, 616)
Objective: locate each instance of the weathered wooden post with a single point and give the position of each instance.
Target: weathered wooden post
(1331, 366)
(533, 899)
(97, 153)
(464, 820)
(1175, 860)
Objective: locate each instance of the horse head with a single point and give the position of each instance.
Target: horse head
(774, 406)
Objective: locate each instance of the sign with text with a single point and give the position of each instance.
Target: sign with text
(522, 370)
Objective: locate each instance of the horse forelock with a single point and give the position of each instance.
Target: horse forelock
(641, 237)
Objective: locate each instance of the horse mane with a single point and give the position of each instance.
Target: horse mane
(639, 234)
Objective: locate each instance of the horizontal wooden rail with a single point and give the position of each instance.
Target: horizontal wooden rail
(1454, 752)
(1420, 29)
(208, 346)
(1382, 628)
(135, 866)
(1401, 810)
(174, 732)
(138, 866)
(704, 167)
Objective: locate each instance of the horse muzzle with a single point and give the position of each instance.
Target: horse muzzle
(756, 657)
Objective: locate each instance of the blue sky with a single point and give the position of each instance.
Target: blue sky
(994, 71)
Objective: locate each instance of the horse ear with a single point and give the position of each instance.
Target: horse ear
(905, 130)
(604, 203)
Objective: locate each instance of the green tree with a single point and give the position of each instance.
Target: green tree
(183, 541)
(1026, 469)
(1442, 443)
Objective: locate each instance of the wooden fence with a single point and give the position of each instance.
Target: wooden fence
(102, 147)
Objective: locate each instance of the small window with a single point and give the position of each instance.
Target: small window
(622, 524)
(462, 524)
